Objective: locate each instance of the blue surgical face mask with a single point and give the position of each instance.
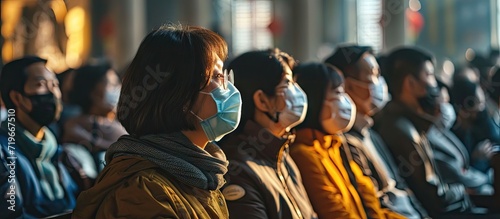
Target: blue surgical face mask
(227, 118)
(112, 96)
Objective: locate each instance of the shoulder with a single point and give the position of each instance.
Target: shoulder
(246, 172)
(396, 127)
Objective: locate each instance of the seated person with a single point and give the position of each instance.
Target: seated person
(334, 182)
(452, 158)
(263, 180)
(88, 135)
(493, 100)
(32, 175)
(403, 124)
(473, 126)
(69, 110)
(368, 90)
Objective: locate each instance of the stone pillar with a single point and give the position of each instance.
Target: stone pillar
(394, 24)
(130, 22)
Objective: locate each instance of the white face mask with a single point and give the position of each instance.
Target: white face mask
(295, 109)
(3, 114)
(112, 96)
(448, 115)
(342, 115)
(379, 93)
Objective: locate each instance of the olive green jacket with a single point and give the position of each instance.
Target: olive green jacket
(132, 187)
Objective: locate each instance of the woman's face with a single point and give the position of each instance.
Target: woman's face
(204, 106)
(338, 112)
(107, 92)
(290, 101)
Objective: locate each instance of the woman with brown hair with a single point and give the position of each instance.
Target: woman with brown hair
(175, 100)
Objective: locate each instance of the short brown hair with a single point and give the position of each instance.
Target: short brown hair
(172, 64)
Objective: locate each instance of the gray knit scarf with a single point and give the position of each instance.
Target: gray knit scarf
(178, 156)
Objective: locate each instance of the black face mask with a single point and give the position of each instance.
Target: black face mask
(43, 109)
(430, 102)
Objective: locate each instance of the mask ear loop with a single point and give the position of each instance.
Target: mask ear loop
(275, 118)
(194, 114)
(231, 76)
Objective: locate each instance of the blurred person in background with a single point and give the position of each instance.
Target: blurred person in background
(3, 111)
(493, 105)
(169, 166)
(452, 157)
(403, 124)
(334, 182)
(473, 126)
(368, 90)
(263, 180)
(88, 135)
(69, 110)
(41, 184)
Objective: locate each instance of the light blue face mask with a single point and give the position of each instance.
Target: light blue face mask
(228, 114)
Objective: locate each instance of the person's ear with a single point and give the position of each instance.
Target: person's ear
(18, 99)
(262, 102)
(409, 83)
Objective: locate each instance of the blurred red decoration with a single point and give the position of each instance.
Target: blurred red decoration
(415, 21)
(276, 27)
(106, 28)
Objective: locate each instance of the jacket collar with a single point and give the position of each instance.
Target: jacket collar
(268, 145)
(421, 122)
(362, 124)
(307, 136)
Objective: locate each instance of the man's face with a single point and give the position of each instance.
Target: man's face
(425, 78)
(368, 73)
(42, 81)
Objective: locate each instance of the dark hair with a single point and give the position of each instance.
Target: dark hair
(382, 63)
(258, 70)
(494, 90)
(314, 79)
(87, 78)
(464, 87)
(172, 65)
(61, 76)
(346, 59)
(14, 77)
(401, 63)
(483, 65)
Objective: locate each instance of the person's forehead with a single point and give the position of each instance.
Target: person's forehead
(38, 71)
(218, 62)
(287, 72)
(429, 67)
(368, 62)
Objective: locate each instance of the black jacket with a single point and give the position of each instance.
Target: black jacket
(392, 188)
(263, 181)
(404, 132)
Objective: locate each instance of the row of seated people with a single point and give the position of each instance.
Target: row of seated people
(315, 140)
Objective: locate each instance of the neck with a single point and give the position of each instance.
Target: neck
(98, 112)
(410, 101)
(362, 122)
(30, 125)
(197, 137)
(263, 120)
(463, 119)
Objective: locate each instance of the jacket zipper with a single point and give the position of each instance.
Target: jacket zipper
(283, 182)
